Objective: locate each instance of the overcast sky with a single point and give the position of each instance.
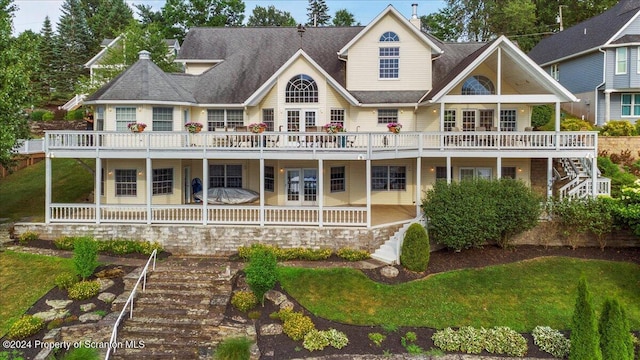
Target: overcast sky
(31, 13)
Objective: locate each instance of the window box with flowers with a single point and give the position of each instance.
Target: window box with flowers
(394, 127)
(136, 127)
(333, 128)
(257, 127)
(193, 127)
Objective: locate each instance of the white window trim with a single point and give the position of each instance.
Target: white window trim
(619, 60)
(555, 72)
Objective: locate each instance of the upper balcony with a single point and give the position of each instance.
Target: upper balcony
(301, 145)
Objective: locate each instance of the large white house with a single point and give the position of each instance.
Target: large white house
(465, 111)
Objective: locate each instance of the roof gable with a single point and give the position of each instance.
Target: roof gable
(391, 11)
(588, 35)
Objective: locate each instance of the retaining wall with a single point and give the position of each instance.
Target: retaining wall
(617, 144)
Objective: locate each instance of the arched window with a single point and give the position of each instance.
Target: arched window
(389, 36)
(301, 89)
(478, 85)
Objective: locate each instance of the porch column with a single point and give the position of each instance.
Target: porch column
(607, 106)
(549, 178)
(47, 188)
(498, 168)
(149, 176)
(261, 192)
(557, 126)
(205, 189)
(320, 193)
(418, 184)
(448, 169)
(98, 188)
(368, 187)
(594, 168)
(441, 124)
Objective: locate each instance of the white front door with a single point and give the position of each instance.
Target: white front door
(301, 186)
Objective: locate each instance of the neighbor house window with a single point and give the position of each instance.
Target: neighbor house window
(338, 182)
(225, 176)
(162, 119)
(449, 120)
(388, 178)
(162, 181)
(301, 89)
(389, 62)
(621, 60)
(630, 105)
(555, 72)
(268, 117)
(508, 172)
(386, 116)
(269, 178)
(126, 182)
(125, 116)
(337, 116)
(224, 118)
(478, 85)
(508, 120)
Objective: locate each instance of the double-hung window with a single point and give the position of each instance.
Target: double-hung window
(337, 116)
(162, 181)
(268, 117)
(621, 60)
(388, 178)
(630, 105)
(269, 178)
(125, 116)
(126, 182)
(386, 116)
(449, 120)
(226, 176)
(389, 62)
(162, 119)
(508, 120)
(338, 182)
(224, 118)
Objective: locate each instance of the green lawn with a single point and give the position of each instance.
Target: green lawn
(22, 192)
(520, 295)
(25, 278)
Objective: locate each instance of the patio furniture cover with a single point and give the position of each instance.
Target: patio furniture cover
(220, 195)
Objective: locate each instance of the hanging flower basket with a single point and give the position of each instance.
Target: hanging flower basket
(136, 127)
(333, 128)
(257, 128)
(394, 127)
(193, 127)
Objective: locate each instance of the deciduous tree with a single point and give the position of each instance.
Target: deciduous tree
(181, 15)
(270, 16)
(344, 18)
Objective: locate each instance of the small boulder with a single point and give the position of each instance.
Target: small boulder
(87, 307)
(107, 297)
(89, 317)
(275, 296)
(52, 314)
(271, 329)
(105, 284)
(59, 304)
(389, 272)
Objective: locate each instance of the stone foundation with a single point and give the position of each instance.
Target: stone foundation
(219, 240)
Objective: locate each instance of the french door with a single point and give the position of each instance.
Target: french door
(298, 120)
(301, 186)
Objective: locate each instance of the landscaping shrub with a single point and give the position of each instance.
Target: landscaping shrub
(619, 178)
(627, 211)
(315, 340)
(244, 300)
(261, 272)
(64, 243)
(37, 115)
(48, 116)
(65, 280)
(499, 340)
(353, 254)
(503, 340)
(337, 339)
(618, 128)
(295, 324)
(283, 254)
(24, 327)
(585, 343)
(28, 236)
(446, 339)
(84, 290)
(238, 348)
(472, 340)
(469, 213)
(415, 248)
(77, 114)
(581, 216)
(615, 338)
(377, 338)
(85, 256)
(575, 125)
(82, 353)
(551, 341)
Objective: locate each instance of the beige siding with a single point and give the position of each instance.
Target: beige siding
(196, 69)
(415, 59)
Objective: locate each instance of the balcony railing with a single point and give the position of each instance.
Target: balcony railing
(348, 141)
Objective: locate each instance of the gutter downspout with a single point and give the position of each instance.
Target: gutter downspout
(604, 80)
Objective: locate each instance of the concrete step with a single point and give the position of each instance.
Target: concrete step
(172, 302)
(174, 320)
(384, 257)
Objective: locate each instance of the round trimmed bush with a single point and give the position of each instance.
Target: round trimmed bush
(84, 290)
(244, 300)
(24, 327)
(415, 248)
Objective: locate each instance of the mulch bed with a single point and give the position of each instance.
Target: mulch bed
(282, 347)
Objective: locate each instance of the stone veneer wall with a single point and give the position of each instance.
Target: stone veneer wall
(219, 240)
(617, 144)
(539, 176)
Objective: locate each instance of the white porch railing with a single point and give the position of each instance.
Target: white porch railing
(32, 146)
(216, 214)
(348, 141)
(113, 341)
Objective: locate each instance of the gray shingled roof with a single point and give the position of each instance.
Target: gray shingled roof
(388, 97)
(253, 54)
(144, 80)
(589, 34)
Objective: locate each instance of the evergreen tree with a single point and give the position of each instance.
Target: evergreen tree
(318, 13)
(615, 338)
(585, 344)
(46, 48)
(109, 21)
(73, 47)
(14, 82)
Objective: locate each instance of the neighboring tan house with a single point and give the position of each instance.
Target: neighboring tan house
(465, 111)
(599, 61)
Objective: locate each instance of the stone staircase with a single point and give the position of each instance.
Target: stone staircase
(180, 315)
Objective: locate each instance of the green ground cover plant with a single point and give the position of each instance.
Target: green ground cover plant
(234, 349)
(521, 295)
(24, 278)
(71, 183)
